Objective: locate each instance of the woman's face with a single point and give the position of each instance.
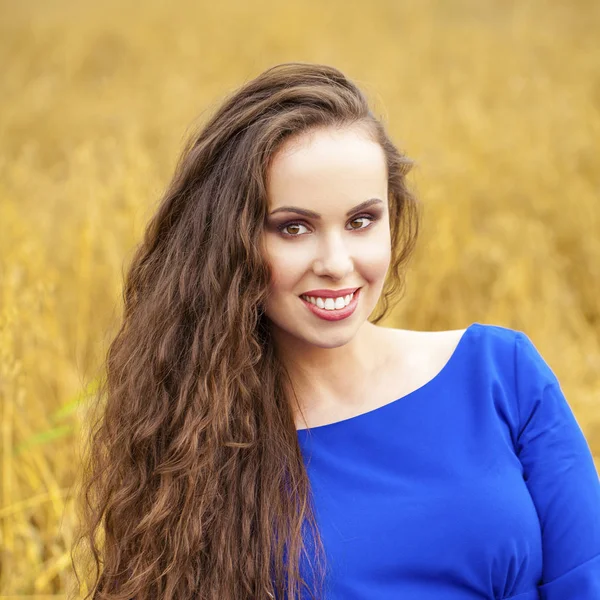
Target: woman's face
(338, 244)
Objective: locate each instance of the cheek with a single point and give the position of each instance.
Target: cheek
(286, 267)
(282, 275)
(375, 260)
(385, 260)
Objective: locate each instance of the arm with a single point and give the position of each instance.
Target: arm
(560, 474)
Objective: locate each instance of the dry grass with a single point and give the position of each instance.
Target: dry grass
(498, 102)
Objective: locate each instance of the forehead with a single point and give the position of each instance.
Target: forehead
(326, 163)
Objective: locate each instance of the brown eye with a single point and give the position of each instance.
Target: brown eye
(289, 224)
(285, 226)
(358, 219)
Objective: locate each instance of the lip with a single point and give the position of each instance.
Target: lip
(330, 293)
(334, 315)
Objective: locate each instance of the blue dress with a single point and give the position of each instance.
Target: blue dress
(478, 485)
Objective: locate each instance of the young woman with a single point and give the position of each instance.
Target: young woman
(263, 437)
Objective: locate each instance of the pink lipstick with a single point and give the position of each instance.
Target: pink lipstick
(335, 314)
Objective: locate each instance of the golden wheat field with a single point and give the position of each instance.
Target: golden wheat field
(498, 104)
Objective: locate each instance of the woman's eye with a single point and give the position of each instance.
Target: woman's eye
(283, 227)
(286, 225)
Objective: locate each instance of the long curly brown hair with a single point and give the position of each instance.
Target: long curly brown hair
(194, 486)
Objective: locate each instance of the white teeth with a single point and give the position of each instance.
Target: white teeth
(330, 303)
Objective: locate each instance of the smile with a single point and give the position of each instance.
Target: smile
(332, 309)
(330, 303)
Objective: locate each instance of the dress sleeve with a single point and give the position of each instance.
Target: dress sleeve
(560, 474)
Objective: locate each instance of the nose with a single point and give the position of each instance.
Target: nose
(333, 258)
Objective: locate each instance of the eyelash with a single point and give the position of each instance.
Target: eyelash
(283, 226)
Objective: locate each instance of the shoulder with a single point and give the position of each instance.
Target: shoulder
(492, 361)
(416, 357)
(498, 354)
(488, 345)
(510, 352)
(443, 343)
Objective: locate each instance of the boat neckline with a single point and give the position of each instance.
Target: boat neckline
(425, 386)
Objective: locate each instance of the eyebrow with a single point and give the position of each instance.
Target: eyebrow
(313, 215)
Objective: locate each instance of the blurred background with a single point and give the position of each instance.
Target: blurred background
(497, 102)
